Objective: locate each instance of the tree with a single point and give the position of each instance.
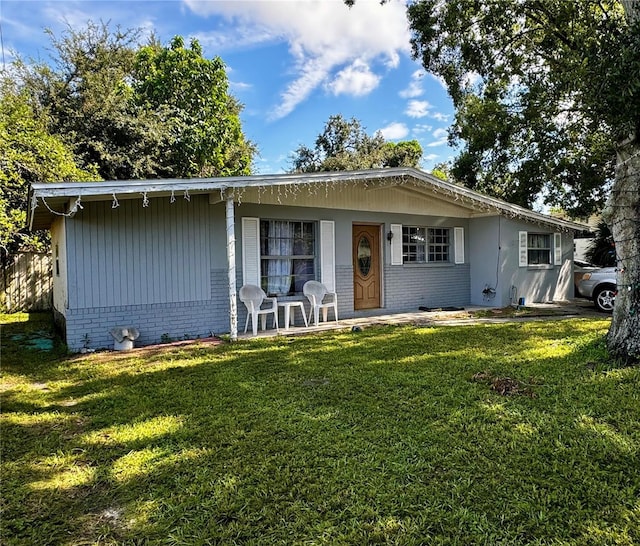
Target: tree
(406, 153)
(28, 153)
(442, 171)
(85, 96)
(192, 93)
(547, 98)
(602, 250)
(344, 145)
(139, 112)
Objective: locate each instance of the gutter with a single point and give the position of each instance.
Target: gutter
(205, 185)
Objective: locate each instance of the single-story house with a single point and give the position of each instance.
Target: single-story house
(168, 256)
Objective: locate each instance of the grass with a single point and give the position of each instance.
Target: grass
(392, 435)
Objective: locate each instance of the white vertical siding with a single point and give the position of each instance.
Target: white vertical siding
(133, 255)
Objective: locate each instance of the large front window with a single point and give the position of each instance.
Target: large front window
(420, 245)
(287, 256)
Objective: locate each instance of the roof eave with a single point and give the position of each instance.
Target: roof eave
(205, 185)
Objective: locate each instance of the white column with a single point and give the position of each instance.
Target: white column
(231, 265)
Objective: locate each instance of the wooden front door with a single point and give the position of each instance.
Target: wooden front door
(366, 266)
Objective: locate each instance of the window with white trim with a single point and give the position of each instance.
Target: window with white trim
(287, 256)
(539, 250)
(421, 245)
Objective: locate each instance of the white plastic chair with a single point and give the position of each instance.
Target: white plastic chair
(253, 298)
(317, 293)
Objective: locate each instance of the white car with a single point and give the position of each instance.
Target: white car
(600, 286)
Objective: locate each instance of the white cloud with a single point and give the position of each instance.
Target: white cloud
(441, 138)
(240, 86)
(20, 28)
(237, 37)
(439, 116)
(415, 88)
(357, 80)
(59, 16)
(394, 131)
(322, 35)
(420, 128)
(429, 161)
(66, 14)
(417, 108)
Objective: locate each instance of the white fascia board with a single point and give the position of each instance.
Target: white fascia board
(221, 184)
(106, 188)
(74, 189)
(508, 208)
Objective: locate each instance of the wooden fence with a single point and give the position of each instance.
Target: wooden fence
(27, 283)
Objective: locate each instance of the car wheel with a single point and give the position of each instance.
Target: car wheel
(604, 298)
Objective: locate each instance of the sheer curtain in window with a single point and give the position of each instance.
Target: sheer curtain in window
(280, 244)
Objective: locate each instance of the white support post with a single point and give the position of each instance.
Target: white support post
(231, 265)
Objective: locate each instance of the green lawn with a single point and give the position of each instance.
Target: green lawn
(392, 435)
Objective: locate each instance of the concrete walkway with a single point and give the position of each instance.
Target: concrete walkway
(470, 315)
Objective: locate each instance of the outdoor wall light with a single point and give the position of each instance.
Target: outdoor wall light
(389, 236)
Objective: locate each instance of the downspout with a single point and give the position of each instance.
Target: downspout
(231, 269)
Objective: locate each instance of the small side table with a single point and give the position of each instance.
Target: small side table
(289, 306)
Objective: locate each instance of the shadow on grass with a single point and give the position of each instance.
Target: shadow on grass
(29, 341)
(379, 436)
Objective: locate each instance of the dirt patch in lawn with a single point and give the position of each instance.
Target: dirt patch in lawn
(505, 386)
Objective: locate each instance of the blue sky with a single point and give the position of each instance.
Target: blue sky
(291, 63)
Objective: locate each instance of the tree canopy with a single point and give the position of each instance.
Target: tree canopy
(542, 91)
(344, 145)
(106, 107)
(87, 101)
(139, 111)
(28, 153)
(602, 250)
(206, 136)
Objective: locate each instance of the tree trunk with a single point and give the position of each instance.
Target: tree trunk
(622, 214)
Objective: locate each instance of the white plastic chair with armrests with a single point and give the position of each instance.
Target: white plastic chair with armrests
(253, 298)
(320, 298)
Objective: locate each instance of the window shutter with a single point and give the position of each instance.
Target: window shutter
(251, 251)
(557, 249)
(328, 254)
(396, 244)
(458, 243)
(522, 249)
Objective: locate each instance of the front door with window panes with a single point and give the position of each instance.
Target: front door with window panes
(366, 266)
